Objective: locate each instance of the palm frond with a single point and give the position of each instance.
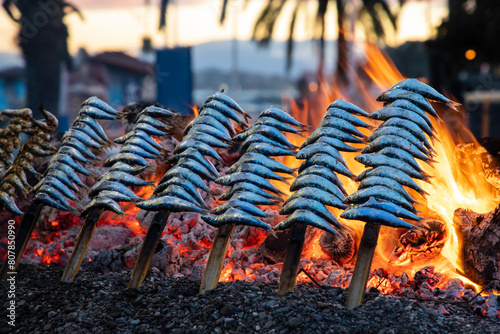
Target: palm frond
(163, 14)
(289, 42)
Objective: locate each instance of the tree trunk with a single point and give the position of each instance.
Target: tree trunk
(341, 73)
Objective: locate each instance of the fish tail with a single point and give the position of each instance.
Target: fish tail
(271, 232)
(454, 105)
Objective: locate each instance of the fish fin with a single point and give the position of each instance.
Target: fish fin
(454, 105)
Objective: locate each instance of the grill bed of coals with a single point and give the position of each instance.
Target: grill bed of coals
(97, 303)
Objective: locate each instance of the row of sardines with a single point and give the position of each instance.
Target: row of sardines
(390, 154)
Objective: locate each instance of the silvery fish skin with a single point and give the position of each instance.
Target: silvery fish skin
(8, 203)
(169, 203)
(225, 110)
(106, 185)
(138, 135)
(332, 133)
(192, 153)
(158, 112)
(102, 203)
(200, 146)
(375, 216)
(70, 173)
(381, 192)
(427, 91)
(253, 198)
(415, 98)
(326, 173)
(125, 179)
(409, 126)
(210, 121)
(282, 116)
(153, 122)
(207, 139)
(93, 124)
(196, 167)
(73, 153)
(316, 147)
(261, 159)
(82, 137)
(17, 183)
(260, 171)
(353, 109)
(210, 130)
(402, 155)
(387, 113)
(347, 116)
(376, 160)
(220, 96)
(150, 130)
(268, 149)
(139, 151)
(307, 217)
(208, 111)
(341, 124)
(309, 205)
(231, 179)
(181, 182)
(61, 187)
(265, 130)
(94, 101)
(407, 105)
(117, 196)
(245, 186)
(395, 141)
(178, 191)
(96, 113)
(386, 182)
(73, 142)
(393, 173)
(334, 142)
(80, 126)
(241, 205)
(235, 216)
(391, 208)
(258, 138)
(61, 176)
(327, 161)
(395, 131)
(316, 181)
(319, 195)
(55, 194)
(129, 158)
(187, 174)
(48, 200)
(279, 125)
(144, 145)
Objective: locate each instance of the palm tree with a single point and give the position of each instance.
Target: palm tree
(372, 13)
(43, 41)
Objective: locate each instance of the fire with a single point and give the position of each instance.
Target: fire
(225, 275)
(455, 184)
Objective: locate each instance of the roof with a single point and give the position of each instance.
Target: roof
(124, 61)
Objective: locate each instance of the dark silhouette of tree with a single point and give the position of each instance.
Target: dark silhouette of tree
(373, 13)
(43, 41)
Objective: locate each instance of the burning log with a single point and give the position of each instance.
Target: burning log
(248, 178)
(340, 247)
(318, 184)
(395, 145)
(110, 188)
(60, 180)
(177, 191)
(480, 244)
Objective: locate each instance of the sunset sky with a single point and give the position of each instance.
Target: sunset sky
(121, 24)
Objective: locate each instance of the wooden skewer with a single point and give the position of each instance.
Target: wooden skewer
(291, 263)
(28, 222)
(148, 249)
(81, 246)
(367, 245)
(216, 258)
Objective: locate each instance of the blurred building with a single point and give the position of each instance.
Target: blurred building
(12, 88)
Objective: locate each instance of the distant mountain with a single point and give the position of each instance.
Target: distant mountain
(254, 59)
